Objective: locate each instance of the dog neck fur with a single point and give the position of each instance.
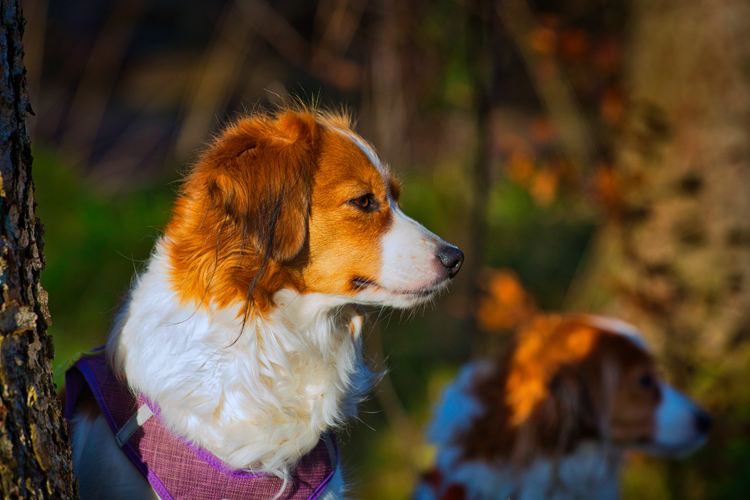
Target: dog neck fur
(257, 396)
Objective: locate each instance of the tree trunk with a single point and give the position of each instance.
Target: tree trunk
(34, 450)
(674, 258)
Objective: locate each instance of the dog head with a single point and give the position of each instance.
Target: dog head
(576, 379)
(298, 200)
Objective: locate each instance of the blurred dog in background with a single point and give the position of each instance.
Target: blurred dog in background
(553, 415)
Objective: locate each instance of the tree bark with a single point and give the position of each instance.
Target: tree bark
(34, 450)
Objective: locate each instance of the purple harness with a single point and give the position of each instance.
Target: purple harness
(176, 469)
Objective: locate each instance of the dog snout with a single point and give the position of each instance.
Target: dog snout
(703, 422)
(451, 258)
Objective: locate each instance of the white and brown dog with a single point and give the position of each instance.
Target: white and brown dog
(244, 329)
(551, 418)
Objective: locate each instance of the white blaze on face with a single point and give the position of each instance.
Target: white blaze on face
(678, 429)
(618, 326)
(369, 153)
(409, 255)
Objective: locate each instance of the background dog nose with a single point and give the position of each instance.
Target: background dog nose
(452, 258)
(703, 422)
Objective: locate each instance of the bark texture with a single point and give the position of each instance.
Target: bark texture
(675, 258)
(34, 451)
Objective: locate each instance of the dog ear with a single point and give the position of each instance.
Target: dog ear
(567, 414)
(260, 175)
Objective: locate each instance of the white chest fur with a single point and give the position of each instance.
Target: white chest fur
(256, 398)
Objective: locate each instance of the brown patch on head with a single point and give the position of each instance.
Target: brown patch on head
(634, 404)
(244, 206)
(563, 380)
(268, 206)
(350, 212)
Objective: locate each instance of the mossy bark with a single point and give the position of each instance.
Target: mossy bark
(34, 450)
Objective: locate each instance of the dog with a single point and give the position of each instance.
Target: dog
(552, 416)
(242, 336)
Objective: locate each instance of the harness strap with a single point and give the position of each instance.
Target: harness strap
(133, 424)
(177, 469)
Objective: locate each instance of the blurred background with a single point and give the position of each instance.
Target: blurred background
(586, 155)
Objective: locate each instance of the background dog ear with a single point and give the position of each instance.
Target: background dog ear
(567, 414)
(261, 177)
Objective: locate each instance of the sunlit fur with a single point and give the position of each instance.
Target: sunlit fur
(551, 417)
(244, 327)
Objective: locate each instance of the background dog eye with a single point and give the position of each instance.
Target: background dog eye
(365, 202)
(646, 381)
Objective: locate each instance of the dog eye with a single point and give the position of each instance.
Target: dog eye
(646, 381)
(365, 202)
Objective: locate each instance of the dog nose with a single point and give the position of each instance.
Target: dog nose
(703, 422)
(452, 258)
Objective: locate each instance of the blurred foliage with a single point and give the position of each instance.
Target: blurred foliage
(93, 245)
